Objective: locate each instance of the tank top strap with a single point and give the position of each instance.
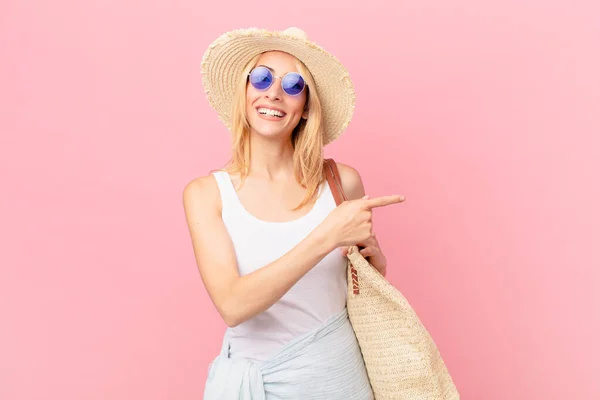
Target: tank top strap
(229, 199)
(326, 199)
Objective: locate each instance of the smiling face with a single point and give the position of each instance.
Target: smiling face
(272, 112)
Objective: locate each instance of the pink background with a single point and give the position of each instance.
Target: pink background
(485, 115)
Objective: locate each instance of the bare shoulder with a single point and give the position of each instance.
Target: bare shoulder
(351, 181)
(201, 195)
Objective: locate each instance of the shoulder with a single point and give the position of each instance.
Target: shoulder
(201, 194)
(351, 181)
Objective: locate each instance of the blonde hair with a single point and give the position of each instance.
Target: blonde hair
(307, 137)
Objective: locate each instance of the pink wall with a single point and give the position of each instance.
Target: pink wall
(485, 116)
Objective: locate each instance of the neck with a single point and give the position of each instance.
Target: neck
(271, 158)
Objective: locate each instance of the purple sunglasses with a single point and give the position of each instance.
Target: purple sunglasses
(262, 78)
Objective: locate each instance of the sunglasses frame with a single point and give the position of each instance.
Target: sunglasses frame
(281, 80)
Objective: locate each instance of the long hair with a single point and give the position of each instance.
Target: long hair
(307, 137)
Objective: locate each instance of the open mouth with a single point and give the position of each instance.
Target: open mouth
(270, 112)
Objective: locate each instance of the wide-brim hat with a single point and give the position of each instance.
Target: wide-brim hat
(225, 59)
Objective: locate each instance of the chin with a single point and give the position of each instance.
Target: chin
(270, 133)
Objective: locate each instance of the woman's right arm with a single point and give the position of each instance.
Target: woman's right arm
(239, 298)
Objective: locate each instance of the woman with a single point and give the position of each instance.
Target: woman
(268, 238)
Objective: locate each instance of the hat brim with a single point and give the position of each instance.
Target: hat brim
(225, 59)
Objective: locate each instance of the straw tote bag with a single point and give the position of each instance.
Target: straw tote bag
(401, 358)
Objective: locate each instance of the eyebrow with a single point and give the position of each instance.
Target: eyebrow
(267, 67)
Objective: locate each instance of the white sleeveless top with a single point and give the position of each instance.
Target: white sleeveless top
(317, 296)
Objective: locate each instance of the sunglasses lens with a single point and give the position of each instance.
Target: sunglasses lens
(293, 83)
(261, 78)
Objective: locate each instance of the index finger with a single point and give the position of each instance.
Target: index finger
(383, 201)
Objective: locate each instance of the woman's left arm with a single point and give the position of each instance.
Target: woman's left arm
(354, 189)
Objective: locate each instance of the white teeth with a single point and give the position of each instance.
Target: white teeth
(268, 111)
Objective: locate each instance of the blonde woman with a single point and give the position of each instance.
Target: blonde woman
(267, 236)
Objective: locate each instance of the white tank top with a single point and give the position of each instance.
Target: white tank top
(318, 295)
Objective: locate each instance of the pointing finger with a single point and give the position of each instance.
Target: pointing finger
(383, 201)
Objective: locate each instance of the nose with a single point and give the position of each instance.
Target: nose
(274, 92)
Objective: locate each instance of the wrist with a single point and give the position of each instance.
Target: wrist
(323, 241)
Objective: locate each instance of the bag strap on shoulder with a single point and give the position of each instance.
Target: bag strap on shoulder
(335, 183)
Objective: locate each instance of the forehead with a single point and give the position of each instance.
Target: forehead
(280, 61)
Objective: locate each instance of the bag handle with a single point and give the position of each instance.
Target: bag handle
(335, 183)
(334, 180)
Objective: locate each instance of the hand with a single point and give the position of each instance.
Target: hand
(351, 222)
(371, 251)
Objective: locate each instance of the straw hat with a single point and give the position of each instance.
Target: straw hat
(225, 59)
